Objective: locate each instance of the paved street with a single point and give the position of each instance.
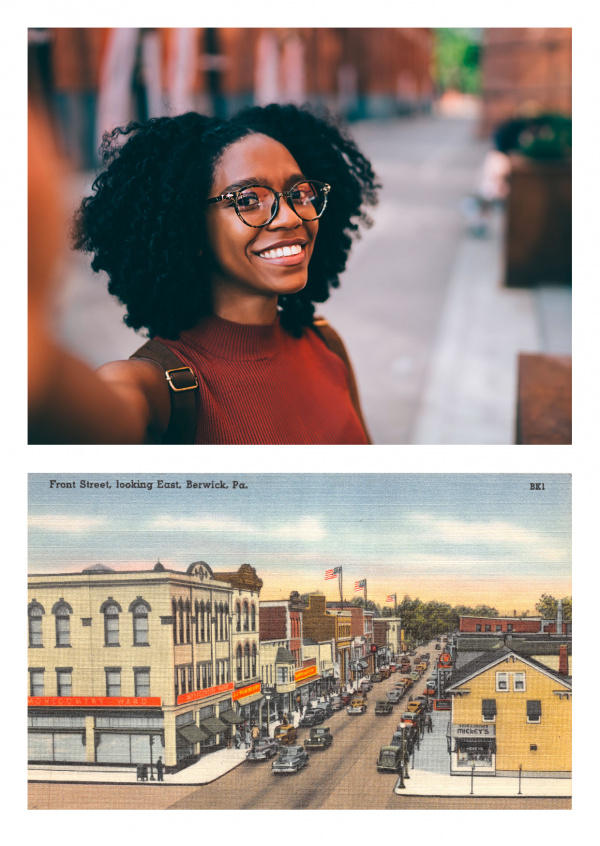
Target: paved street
(343, 776)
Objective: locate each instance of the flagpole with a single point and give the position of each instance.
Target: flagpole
(365, 594)
(341, 588)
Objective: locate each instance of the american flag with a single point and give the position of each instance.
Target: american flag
(360, 585)
(333, 574)
(390, 597)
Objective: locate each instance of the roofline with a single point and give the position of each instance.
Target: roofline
(499, 659)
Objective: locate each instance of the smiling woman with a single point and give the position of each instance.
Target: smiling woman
(219, 237)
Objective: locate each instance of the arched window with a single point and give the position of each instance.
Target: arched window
(246, 623)
(139, 610)
(174, 615)
(253, 617)
(246, 661)
(221, 635)
(62, 614)
(208, 621)
(238, 613)
(188, 630)
(35, 613)
(111, 611)
(181, 626)
(238, 662)
(202, 622)
(197, 618)
(226, 611)
(253, 659)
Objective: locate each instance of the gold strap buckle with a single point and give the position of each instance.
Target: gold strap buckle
(177, 370)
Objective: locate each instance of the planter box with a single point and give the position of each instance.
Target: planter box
(538, 235)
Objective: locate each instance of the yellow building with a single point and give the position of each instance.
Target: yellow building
(510, 714)
(125, 667)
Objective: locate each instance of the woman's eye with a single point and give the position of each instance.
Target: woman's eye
(248, 201)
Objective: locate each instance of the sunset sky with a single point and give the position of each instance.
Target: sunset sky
(455, 538)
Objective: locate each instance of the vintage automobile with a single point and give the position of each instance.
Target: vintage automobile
(385, 673)
(312, 717)
(324, 706)
(320, 738)
(365, 684)
(430, 689)
(422, 665)
(416, 707)
(427, 704)
(358, 705)
(346, 696)
(336, 703)
(393, 668)
(390, 759)
(438, 646)
(376, 677)
(408, 717)
(384, 707)
(394, 695)
(286, 735)
(290, 760)
(262, 749)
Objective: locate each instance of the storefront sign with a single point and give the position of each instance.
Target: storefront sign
(305, 673)
(473, 731)
(202, 694)
(246, 691)
(96, 701)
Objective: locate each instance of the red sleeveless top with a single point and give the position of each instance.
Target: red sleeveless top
(260, 385)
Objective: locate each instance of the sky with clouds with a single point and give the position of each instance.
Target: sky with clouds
(456, 538)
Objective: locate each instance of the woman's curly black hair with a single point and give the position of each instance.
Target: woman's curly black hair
(145, 221)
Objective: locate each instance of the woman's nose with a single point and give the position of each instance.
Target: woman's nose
(285, 216)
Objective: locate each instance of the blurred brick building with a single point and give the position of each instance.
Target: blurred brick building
(524, 71)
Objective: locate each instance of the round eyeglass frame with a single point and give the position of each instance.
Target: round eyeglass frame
(234, 195)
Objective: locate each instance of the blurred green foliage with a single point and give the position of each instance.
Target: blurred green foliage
(457, 55)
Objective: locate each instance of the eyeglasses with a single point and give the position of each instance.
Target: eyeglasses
(257, 205)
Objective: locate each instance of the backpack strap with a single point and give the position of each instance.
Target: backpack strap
(182, 381)
(333, 341)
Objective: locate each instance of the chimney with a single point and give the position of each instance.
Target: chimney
(563, 660)
(559, 618)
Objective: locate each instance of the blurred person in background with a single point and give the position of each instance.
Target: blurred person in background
(219, 237)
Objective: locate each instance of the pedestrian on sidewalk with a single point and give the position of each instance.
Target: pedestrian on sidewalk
(160, 770)
(224, 276)
(429, 723)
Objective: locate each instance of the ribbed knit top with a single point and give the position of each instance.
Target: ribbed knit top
(260, 385)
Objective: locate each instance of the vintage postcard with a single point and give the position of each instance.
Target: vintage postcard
(299, 641)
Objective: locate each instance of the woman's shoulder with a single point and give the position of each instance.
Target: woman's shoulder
(142, 383)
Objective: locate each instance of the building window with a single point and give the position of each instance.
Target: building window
(202, 622)
(141, 680)
(488, 710)
(478, 627)
(499, 627)
(113, 681)
(62, 614)
(534, 710)
(190, 678)
(221, 622)
(238, 663)
(111, 623)
(247, 661)
(36, 682)
(246, 617)
(519, 681)
(188, 630)
(509, 627)
(488, 627)
(226, 611)
(253, 618)
(174, 615)
(501, 681)
(253, 659)
(63, 682)
(35, 612)
(238, 614)
(181, 624)
(140, 624)
(282, 675)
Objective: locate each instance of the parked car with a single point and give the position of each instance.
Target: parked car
(336, 703)
(346, 696)
(262, 749)
(376, 677)
(365, 684)
(286, 735)
(320, 738)
(438, 646)
(312, 717)
(384, 706)
(408, 717)
(430, 689)
(385, 673)
(357, 705)
(324, 706)
(416, 707)
(393, 695)
(393, 668)
(290, 760)
(427, 704)
(390, 759)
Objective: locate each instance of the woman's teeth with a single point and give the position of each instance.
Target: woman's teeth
(282, 251)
